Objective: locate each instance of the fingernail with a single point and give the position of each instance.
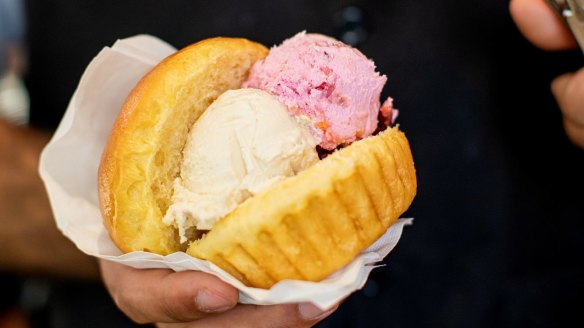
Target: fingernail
(208, 301)
(310, 312)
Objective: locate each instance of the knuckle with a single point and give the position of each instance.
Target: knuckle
(287, 317)
(124, 303)
(173, 305)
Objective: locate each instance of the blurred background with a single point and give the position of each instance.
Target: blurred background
(14, 101)
(499, 212)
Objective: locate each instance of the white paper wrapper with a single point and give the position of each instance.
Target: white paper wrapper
(69, 166)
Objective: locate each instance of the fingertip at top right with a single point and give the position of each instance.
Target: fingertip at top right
(541, 25)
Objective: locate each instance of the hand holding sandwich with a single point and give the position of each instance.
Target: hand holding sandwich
(192, 299)
(215, 152)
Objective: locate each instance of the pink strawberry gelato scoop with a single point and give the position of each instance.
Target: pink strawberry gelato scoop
(327, 83)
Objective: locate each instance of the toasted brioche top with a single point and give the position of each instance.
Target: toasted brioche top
(143, 154)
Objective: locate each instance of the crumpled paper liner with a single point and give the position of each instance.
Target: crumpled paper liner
(69, 164)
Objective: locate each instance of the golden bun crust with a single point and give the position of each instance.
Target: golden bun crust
(310, 225)
(142, 156)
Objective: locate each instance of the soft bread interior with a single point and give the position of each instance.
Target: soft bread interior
(142, 157)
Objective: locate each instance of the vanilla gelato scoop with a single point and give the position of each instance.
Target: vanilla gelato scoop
(243, 143)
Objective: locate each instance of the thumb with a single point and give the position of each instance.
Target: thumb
(158, 295)
(540, 25)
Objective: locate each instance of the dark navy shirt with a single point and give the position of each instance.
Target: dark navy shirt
(497, 235)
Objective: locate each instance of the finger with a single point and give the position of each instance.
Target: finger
(258, 316)
(575, 133)
(569, 92)
(541, 25)
(157, 295)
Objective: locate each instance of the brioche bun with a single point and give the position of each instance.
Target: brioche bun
(305, 227)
